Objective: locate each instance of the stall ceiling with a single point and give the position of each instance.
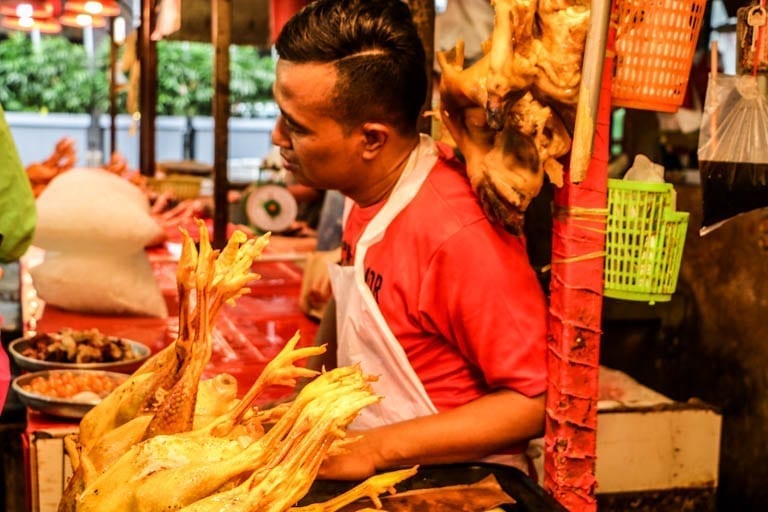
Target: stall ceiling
(250, 22)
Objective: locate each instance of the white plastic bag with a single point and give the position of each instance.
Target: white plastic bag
(92, 283)
(643, 169)
(94, 209)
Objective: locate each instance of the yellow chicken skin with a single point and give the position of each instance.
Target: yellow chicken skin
(164, 389)
(167, 440)
(168, 472)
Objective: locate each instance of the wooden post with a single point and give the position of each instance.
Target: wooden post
(221, 20)
(147, 89)
(575, 314)
(423, 14)
(112, 90)
(589, 90)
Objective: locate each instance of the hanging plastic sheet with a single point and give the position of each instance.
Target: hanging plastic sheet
(733, 149)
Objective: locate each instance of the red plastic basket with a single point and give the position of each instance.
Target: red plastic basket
(655, 43)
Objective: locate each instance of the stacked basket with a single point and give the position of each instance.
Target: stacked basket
(655, 44)
(644, 241)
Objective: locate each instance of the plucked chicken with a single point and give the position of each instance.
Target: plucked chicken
(167, 440)
(169, 472)
(160, 397)
(61, 159)
(512, 112)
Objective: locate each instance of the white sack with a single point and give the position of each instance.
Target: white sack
(93, 283)
(85, 209)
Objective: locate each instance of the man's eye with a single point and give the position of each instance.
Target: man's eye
(293, 126)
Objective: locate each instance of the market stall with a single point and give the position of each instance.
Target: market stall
(250, 335)
(245, 339)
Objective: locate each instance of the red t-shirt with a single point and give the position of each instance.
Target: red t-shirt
(457, 292)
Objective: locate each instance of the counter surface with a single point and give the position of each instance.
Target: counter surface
(245, 338)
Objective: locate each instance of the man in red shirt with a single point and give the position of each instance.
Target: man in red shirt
(431, 297)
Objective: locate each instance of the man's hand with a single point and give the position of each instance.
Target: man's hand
(355, 461)
(316, 283)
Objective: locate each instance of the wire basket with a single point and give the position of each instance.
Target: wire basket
(655, 43)
(182, 187)
(644, 241)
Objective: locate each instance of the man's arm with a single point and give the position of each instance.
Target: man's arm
(470, 432)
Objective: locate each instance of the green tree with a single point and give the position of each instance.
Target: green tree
(251, 77)
(184, 78)
(56, 77)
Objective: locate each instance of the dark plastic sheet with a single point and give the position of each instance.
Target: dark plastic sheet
(529, 496)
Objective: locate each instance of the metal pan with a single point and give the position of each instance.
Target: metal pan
(62, 407)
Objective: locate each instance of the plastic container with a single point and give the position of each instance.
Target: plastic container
(644, 241)
(655, 44)
(183, 187)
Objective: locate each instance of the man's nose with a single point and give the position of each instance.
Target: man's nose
(279, 137)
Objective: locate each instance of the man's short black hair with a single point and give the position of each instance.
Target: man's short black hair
(377, 51)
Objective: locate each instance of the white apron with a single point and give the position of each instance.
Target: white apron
(363, 336)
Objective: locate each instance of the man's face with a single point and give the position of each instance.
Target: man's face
(314, 147)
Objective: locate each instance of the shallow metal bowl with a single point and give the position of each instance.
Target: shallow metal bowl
(17, 347)
(64, 407)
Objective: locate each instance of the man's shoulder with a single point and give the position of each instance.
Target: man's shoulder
(446, 209)
(447, 196)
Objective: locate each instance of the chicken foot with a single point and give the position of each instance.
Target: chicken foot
(564, 25)
(512, 67)
(279, 371)
(292, 466)
(371, 488)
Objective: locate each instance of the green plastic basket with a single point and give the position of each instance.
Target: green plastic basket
(644, 241)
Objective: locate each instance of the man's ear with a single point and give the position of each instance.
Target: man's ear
(375, 136)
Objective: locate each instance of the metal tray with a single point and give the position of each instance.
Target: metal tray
(62, 407)
(529, 496)
(31, 364)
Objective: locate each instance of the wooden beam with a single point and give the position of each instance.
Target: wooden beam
(112, 90)
(575, 312)
(423, 14)
(147, 89)
(221, 30)
(249, 27)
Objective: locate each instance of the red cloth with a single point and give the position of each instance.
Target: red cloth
(280, 12)
(246, 336)
(457, 292)
(5, 376)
